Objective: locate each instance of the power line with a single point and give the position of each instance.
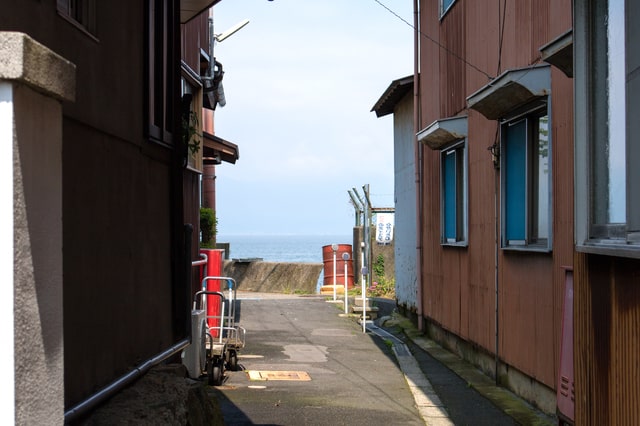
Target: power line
(446, 49)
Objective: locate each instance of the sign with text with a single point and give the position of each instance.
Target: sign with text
(384, 228)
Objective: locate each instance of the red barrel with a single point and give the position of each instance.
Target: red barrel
(327, 258)
(214, 269)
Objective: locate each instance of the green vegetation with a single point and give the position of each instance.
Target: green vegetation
(189, 131)
(208, 227)
(381, 285)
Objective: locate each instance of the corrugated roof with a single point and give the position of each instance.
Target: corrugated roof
(215, 146)
(390, 98)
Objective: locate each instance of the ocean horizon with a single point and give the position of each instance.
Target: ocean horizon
(281, 248)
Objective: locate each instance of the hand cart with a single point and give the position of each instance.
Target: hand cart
(216, 338)
(231, 334)
(205, 354)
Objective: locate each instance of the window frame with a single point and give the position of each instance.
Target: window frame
(529, 115)
(161, 89)
(461, 197)
(82, 14)
(591, 48)
(444, 8)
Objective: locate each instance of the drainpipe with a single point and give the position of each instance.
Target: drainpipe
(125, 380)
(417, 158)
(497, 244)
(110, 390)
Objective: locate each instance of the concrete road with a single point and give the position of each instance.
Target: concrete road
(354, 377)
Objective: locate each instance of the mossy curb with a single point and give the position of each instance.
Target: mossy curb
(517, 408)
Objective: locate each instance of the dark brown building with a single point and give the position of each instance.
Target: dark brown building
(102, 251)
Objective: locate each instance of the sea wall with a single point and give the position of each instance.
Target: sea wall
(274, 277)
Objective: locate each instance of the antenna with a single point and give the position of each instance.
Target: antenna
(230, 31)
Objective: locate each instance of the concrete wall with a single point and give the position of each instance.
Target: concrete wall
(274, 277)
(33, 83)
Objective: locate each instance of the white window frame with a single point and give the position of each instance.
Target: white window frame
(459, 149)
(531, 240)
(594, 235)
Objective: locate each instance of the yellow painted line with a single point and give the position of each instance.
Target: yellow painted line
(300, 376)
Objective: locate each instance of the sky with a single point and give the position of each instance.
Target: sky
(300, 81)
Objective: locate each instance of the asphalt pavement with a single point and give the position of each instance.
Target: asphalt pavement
(307, 363)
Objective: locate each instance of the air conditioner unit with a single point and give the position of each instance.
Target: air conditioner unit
(194, 356)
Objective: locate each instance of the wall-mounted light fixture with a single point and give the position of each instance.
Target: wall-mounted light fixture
(230, 31)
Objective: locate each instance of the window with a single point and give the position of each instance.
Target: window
(525, 174)
(161, 74)
(453, 178)
(81, 12)
(607, 88)
(445, 5)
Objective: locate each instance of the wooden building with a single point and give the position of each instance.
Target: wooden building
(495, 128)
(102, 253)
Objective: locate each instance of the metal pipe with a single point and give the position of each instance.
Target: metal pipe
(334, 247)
(417, 116)
(497, 301)
(357, 207)
(367, 231)
(345, 257)
(119, 384)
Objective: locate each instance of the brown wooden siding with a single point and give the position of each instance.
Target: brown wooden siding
(191, 196)
(452, 66)
(193, 37)
(459, 284)
(606, 340)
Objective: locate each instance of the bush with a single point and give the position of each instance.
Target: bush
(383, 287)
(378, 266)
(208, 227)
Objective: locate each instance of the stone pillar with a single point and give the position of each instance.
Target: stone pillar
(33, 83)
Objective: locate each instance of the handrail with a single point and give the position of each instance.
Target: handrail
(203, 261)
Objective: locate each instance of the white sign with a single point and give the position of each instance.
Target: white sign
(384, 228)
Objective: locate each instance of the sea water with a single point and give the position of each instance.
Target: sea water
(282, 248)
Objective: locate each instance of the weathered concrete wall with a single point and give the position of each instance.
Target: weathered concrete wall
(274, 277)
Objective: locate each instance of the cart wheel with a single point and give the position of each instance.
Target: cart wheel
(232, 360)
(215, 371)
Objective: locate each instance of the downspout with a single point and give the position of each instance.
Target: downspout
(417, 158)
(497, 244)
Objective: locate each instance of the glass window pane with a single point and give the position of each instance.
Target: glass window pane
(446, 4)
(515, 181)
(540, 181)
(449, 199)
(616, 113)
